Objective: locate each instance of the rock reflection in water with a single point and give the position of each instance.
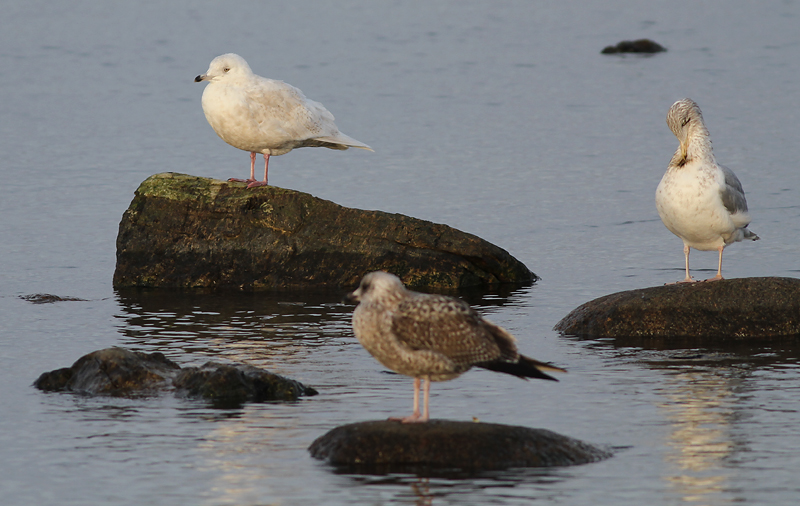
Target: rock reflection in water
(250, 328)
(700, 407)
(712, 401)
(237, 326)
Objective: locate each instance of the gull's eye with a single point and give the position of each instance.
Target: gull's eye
(686, 121)
(226, 69)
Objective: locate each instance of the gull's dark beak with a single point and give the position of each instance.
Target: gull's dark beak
(200, 78)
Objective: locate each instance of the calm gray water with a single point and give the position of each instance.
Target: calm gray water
(501, 119)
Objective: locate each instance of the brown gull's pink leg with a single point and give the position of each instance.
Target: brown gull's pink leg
(415, 416)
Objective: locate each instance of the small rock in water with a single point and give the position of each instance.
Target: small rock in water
(634, 46)
(388, 445)
(112, 371)
(46, 298)
(125, 373)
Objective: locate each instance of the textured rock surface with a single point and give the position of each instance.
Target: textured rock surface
(725, 310)
(227, 385)
(112, 371)
(121, 372)
(449, 444)
(186, 232)
(46, 298)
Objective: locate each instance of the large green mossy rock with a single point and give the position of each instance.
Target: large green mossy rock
(183, 231)
(718, 311)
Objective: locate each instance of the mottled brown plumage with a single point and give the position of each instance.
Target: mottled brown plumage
(432, 337)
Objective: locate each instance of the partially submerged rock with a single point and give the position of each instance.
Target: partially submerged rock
(646, 46)
(47, 298)
(184, 231)
(112, 371)
(723, 310)
(228, 385)
(125, 373)
(391, 445)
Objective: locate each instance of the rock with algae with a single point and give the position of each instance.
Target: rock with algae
(183, 231)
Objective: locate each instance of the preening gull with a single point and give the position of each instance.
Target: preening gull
(698, 200)
(265, 116)
(432, 337)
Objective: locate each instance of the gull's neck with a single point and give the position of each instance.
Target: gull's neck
(698, 149)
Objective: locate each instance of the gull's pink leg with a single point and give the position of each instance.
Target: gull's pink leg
(416, 418)
(252, 171)
(427, 392)
(415, 415)
(719, 267)
(255, 183)
(688, 278)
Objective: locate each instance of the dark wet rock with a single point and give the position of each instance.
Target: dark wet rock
(182, 231)
(125, 373)
(449, 444)
(634, 46)
(46, 298)
(722, 310)
(112, 371)
(227, 385)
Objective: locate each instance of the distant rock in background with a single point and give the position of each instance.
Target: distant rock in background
(722, 311)
(184, 231)
(124, 373)
(387, 446)
(634, 46)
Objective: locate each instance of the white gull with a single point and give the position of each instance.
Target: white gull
(265, 116)
(432, 337)
(698, 200)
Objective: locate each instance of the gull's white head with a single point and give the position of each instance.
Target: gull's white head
(378, 285)
(685, 120)
(227, 66)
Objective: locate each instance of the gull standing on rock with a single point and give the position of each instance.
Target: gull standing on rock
(265, 116)
(432, 337)
(698, 200)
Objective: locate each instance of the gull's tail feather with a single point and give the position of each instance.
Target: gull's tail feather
(523, 368)
(750, 235)
(345, 141)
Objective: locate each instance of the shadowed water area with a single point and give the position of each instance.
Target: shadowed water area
(500, 119)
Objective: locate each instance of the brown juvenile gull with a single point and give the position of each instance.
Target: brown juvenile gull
(432, 337)
(698, 200)
(265, 116)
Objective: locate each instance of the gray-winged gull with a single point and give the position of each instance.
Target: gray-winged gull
(265, 116)
(432, 337)
(698, 200)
